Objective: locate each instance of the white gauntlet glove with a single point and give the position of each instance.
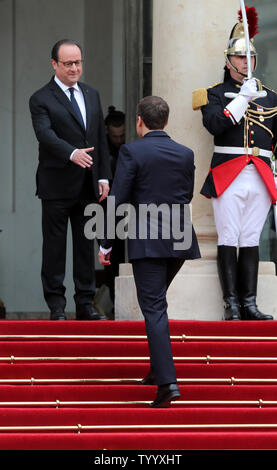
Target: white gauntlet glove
(249, 89)
(248, 92)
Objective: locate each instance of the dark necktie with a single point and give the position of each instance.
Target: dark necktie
(76, 106)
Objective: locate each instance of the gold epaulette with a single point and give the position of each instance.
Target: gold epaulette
(200, 97)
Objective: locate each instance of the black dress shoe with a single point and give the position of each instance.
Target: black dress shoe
(150, 379)
(87, 312)
(166, 394)
(57, 314)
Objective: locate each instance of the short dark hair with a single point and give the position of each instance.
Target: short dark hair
(114, 117)
(56, 47)
(154, 112)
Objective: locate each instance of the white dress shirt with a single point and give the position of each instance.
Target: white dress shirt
(78, 96)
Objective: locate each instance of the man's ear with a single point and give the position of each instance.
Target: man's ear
(139, 121)
(228, 65)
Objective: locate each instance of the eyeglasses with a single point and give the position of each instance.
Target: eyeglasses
(70, 63)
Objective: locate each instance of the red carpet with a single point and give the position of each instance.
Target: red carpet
(75, 385)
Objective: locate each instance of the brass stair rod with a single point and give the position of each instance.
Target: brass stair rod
(60, 403)
(77, 337)
(205, 359)
(227, 380)
(182, 337)
(110, 427)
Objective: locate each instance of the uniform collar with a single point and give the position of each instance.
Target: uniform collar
(235, 83)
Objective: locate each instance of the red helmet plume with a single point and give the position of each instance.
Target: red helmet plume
(252, 19)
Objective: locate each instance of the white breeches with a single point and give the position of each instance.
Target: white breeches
(240, 212)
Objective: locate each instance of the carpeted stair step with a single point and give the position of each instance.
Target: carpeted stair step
(85, 395)
(137, 328)
(94, 351)
(116, 372)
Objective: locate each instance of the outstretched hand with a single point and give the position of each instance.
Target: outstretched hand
(82, 158)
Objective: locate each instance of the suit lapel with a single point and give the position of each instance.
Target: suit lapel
(62, 98)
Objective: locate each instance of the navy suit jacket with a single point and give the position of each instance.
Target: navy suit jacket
(155, 170)
(59, 132)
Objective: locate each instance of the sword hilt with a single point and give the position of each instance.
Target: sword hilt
(259, 94)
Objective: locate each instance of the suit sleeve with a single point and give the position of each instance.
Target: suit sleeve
(190, 178)
(125, 174)
(45, 134)
(123, 183)
(214, 119)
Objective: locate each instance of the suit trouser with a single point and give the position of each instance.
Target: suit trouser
(152, 278)
(55, 217)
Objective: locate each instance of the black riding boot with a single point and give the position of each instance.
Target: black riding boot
(248, 266)
(227, 271)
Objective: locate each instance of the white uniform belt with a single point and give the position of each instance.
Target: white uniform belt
(242, 151)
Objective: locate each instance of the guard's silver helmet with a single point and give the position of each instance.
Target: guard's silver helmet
(237, 44)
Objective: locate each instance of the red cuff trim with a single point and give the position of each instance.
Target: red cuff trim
(229, 115)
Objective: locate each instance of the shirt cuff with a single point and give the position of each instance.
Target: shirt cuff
(105, 251)
(71, 156)
(103, 181)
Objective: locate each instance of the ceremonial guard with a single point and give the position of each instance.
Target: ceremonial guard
(241, 114)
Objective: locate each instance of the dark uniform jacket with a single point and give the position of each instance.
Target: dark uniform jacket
(260, 131)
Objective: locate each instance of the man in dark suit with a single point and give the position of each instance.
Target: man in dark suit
(73, 171)
(155, 171)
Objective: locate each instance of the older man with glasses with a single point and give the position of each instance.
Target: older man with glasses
(73, 171)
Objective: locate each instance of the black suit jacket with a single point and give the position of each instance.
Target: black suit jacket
(59, 132)
(154, 170)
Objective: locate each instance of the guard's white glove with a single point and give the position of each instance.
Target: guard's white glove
(248, 92)
(249, 89)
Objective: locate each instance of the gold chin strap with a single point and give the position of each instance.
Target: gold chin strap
(234, 68)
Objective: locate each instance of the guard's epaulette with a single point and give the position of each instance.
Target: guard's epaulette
(200, 97)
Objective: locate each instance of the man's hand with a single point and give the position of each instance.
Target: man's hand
(249, 89)
(104, 259)
(82, 158)
(104, 189)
